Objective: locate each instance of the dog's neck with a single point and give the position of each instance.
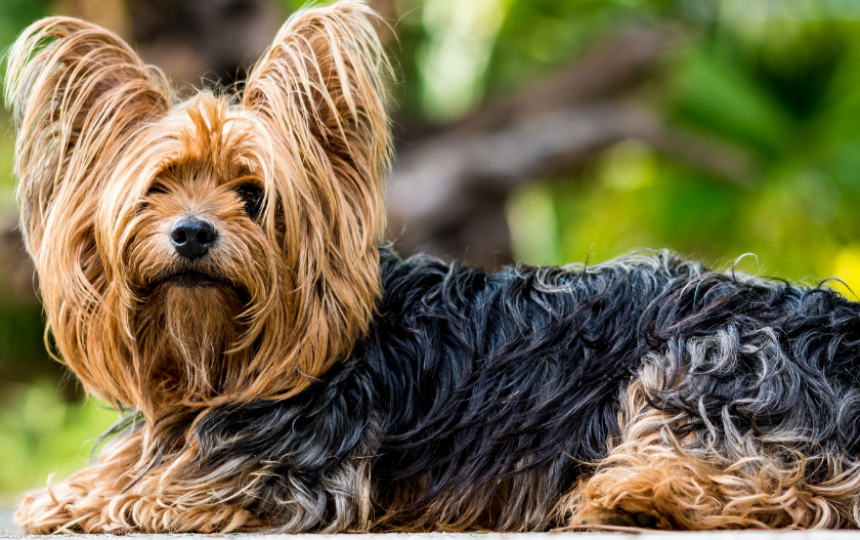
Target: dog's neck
(187, 336)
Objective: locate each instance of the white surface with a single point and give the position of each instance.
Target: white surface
(7, 527)
(7, 530)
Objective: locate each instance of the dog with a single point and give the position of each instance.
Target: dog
(213, 268)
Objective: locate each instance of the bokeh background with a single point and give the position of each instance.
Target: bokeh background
(549, 131)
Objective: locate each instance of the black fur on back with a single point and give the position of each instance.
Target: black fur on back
(468, 380)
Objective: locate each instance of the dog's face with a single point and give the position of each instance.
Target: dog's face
(218, 249)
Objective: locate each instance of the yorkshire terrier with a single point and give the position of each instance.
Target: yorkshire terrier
(213, 268)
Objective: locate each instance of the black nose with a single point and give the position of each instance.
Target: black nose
(192, 237)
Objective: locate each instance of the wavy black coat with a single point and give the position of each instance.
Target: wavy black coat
(469, 381)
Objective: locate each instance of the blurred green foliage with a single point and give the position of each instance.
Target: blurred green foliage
(776, 82)
(42, 434)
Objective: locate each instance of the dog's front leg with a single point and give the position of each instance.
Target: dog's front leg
(95, 500)
(74, 505)
(80, 503)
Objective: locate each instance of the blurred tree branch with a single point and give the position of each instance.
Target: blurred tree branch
(447, 192)
(16, 269)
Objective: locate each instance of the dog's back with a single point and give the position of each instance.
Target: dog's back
(501, 391)
(532, 397)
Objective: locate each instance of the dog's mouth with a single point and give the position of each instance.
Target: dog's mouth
(191, 279)
(195, 279)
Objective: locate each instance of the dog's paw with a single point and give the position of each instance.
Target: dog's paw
(42, 512)
(59, 509)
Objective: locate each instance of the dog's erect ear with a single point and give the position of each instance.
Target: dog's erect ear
(77, 93)
(320, 85)
(319, 92)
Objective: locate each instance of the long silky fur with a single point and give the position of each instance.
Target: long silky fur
(97, 130)
(324, 384)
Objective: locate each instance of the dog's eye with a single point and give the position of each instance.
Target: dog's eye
(253, 197)
(156, 189)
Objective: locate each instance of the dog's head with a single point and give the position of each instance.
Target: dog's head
(218, 249)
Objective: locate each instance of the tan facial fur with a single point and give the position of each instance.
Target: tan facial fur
(107, 161)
